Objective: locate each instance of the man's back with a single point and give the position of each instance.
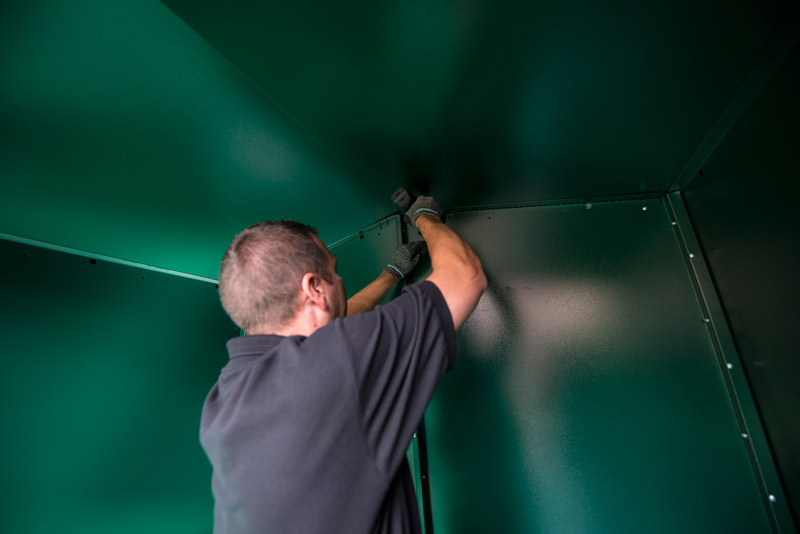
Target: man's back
(309, 434)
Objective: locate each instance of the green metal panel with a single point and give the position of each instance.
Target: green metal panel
(105, 369)
(125, 134)
(764, 467)
(744, 209)
(585, 376)
(488, 101)
(769, 59)
(362, 256)
(588, 396)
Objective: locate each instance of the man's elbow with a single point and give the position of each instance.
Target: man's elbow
(476, 277)
(482, 282)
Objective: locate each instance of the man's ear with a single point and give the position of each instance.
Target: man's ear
(313, 290)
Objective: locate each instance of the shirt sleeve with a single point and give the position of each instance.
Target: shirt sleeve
(398, 354)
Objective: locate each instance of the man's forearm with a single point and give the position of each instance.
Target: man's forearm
(371, 295)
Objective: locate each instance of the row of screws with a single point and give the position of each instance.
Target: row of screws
(729, 365)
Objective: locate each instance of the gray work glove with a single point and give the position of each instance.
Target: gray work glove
(405, 258)
(424, 205)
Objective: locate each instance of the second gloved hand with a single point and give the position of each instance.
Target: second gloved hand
(405, 258)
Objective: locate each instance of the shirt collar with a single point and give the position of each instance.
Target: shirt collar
(252, 345)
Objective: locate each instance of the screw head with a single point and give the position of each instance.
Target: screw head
(772, 498)
(691, 255)
(730, 366)
(745, 436)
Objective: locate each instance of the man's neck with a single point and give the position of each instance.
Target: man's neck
(302, 325)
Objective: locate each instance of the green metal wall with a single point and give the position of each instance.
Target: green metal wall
(744, 207)
(123, 133)
(588, 396)
(362, 256)
(105, 369)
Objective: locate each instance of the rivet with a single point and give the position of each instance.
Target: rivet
(772, 498)
(588, 205)
(707, 320)
(691, 255)
(674, 223)
(745, 436)
(730, 366)
(644, 208)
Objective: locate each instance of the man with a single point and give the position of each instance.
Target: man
(308, 424)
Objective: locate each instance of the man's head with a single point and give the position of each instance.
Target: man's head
(266, 270)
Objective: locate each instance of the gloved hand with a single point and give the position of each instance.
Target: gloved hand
(424, 205)
(405, 258)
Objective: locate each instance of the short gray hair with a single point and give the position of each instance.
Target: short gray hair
(260, 274)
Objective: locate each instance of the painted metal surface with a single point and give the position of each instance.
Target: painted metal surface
(362, 256)
(588, 396)
(769, 59)
(485, 102)
(745, 214)
(733, 372)
(123, 133)
(105, 369)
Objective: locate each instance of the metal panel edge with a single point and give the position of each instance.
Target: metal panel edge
(102, 257)
(377, 225)
(732, 369)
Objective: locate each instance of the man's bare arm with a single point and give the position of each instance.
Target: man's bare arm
(371, 295)
(404, 260)
(457, 270)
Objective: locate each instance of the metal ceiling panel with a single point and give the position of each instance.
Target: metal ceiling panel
(485, 102)
(124, 134)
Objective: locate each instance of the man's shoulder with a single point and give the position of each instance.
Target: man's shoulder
(420, 308)
(416, 300)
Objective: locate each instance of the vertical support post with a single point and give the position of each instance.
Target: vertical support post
(427, 512)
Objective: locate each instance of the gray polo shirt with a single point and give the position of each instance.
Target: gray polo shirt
(308, 434)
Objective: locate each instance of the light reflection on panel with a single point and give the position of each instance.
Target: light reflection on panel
(587, 396)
